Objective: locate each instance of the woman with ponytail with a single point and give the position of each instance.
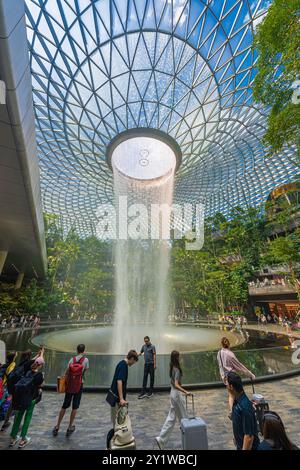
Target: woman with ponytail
(228, 362)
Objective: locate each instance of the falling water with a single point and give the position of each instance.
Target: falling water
(142, 265)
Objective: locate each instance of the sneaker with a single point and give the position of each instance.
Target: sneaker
(149, 395)
(24, 442)
(159, 443)
(14, 441)
(142, 395)
(70, 431)
(5, 426)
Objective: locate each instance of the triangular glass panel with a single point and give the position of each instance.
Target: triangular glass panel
(149, 18)
(117, 24)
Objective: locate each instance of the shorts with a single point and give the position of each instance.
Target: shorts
(73, 398)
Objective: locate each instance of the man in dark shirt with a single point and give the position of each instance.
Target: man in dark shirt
(243, 415)
(119, 383)
(149, 351)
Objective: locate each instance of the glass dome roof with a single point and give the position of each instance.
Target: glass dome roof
(184, 67)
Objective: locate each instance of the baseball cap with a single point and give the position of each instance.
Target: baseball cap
(40, 361)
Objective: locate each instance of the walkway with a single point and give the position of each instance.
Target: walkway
(148, 415)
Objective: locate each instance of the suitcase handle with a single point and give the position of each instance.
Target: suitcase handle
(252, 383)
(193, 406)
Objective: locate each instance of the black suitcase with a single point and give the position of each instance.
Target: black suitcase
(261, 406)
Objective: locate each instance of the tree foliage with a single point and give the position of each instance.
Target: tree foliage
(80, 277)
(216, 278)
(277, 41)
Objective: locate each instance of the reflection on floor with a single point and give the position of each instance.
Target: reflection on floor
(147, 416)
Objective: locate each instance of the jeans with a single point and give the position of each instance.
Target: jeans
(113, 414)
(18, 419)
(148, 369)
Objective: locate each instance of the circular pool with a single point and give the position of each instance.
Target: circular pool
(97, 339)
(266, 353)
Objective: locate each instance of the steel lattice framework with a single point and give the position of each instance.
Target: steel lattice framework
(185, 67)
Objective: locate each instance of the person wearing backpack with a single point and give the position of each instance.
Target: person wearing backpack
(5, 371)
(17, 373)
(8, 367)
(74, 374)
(28, 392)
(2, 372)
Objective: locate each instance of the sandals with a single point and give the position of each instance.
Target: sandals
(70, 431)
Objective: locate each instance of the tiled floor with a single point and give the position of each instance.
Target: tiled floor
(93, 420)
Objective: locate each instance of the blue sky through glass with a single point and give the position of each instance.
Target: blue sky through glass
(184, 67)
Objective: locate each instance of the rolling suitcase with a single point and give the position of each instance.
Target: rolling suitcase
(193, 431)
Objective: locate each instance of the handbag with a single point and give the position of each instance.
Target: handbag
(123, 430)
(111, 398)
(61, 384)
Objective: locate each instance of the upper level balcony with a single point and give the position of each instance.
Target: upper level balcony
(269, 287)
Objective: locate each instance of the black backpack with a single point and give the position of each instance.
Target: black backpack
(24, 392)
(14, 377)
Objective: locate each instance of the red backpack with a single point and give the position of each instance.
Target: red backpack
(74, 376)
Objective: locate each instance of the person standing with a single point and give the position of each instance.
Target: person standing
(5, 371)
(28, 392)
(228, 362)
(177, 408)
(149, 351)
(75, 375)
(18, 372)
(8, 367)
(117, 393)
(244, 423)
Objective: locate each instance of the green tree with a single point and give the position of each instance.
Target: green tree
(277, 41)
(285, 250)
